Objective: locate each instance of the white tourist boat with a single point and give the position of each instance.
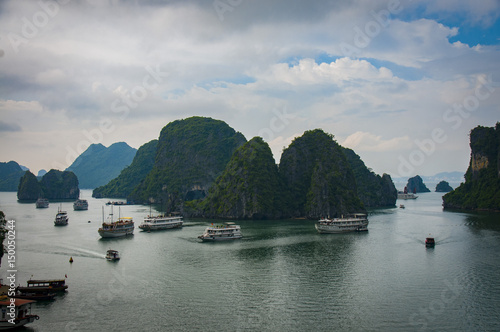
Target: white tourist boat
(122, 227)
(351, 223)
(402, 195)
(406, 195)
(228, 231)
(156, 223)
(42, 203)
(61, 218)
(17, 315)
(80, 205)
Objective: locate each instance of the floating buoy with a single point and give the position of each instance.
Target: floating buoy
(71, 259)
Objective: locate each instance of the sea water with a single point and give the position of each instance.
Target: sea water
(282, 276)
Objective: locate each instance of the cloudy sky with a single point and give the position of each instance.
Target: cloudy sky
(400, 82)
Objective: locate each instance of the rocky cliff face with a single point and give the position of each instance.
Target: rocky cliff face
(249, 186)
(443, 187)
(131, 176)
(53, 185)
(481, 190)
(318, 181)
(191, 154)
(29, 188)
(60, 185)
(416, 185)
(373, 190)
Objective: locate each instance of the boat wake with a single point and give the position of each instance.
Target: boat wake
(72, 251)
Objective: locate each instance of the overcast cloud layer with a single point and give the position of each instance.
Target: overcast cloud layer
(400, 82)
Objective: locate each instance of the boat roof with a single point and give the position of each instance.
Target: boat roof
(35, 281)
(17, 302)
(111, 250)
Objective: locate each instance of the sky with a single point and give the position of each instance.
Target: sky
(400, 82)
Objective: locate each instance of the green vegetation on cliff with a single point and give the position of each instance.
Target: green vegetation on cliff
(249, 186)
(416, 185)
(481, 190)
(191, 154)
(318, 181)
(131, 176)
(29, 188)
(60, 185)
(53, 185)
(10, 174)
(98, 165)
(373, 190)
(443, 187)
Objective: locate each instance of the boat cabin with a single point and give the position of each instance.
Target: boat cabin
(15, 313)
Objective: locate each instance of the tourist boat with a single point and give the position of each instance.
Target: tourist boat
(401, 206)
(228, 231)
(42, 203)
(19, 315)
(80, 204)
(429, 242)
(351, 223)
(122, 227)
(112, 255)
(155, 223)
(61, 218)
(406, 195)
(44, 286)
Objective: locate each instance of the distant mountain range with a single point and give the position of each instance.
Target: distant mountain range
(10, 174)
(95, 167)
(451, 177)
(98, 165)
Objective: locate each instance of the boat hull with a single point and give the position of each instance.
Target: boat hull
(61, 223)
(336, 229)
(36, 296)
(42, 290)
(211, 238)
(160, 226)
(6, 325)
(115, 233)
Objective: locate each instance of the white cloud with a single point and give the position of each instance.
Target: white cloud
(89, 55)
(363, 141)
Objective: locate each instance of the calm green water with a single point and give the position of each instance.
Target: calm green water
(283, 276)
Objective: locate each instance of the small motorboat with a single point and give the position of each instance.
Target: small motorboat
(112, 255)
(401, 206)
(429, 242)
